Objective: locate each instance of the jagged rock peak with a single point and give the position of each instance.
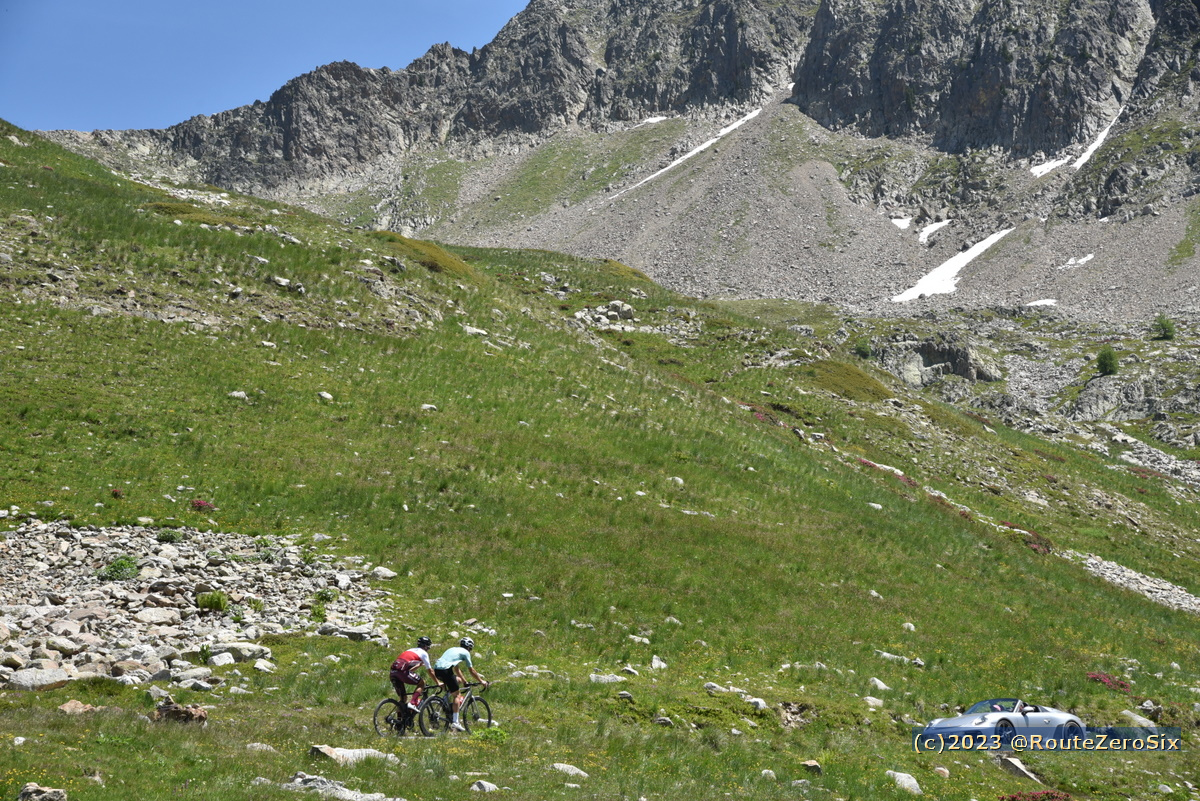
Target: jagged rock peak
(1027, 76)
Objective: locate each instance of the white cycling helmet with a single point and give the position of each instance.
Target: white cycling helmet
(466, 642)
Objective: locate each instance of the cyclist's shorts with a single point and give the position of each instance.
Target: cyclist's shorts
(402, 677)
(448, 678)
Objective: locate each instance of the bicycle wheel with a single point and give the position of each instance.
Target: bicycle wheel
(390, 718)
(475, 712)
(434, 715)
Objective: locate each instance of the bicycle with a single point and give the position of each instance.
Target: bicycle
(394, 718)
(436, 711)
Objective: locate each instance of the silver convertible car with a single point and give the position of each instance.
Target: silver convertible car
(1006, 717)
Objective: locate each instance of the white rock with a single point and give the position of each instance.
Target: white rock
(713, 687)
(383, 574)
(873, 702)
(879, 685)
(237, 393)
(638, 639)
(428, 407)
(570, 770)
(758, 703)
(656, 663)
(260, 747)
(605, 678)
(350, 756)
(221, 660)
(482, 786)
(909, 627)
(264, 666)
(324, 396)
(768, 774)
(905, 782)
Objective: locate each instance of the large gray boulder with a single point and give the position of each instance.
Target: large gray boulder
(33, 680)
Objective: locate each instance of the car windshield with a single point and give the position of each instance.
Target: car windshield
(993, 705)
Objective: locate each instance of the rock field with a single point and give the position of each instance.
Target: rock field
(129, 602)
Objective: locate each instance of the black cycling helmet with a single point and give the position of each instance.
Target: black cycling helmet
(466, 642)
(424, 642)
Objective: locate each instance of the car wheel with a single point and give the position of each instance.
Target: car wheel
(1072, 729)
(1005, 732)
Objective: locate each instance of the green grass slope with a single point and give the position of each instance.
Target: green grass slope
(570, 490)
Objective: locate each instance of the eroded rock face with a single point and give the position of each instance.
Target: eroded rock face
(1035, 77)
(920, 363)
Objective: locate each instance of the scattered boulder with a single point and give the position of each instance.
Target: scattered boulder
(570, 770)
(192, 713)
(35, 792)
(905, 781)
(1017, 768)
(350, 756)
(74, 707)
(34, 680)
(812, 766)
(605, 678)
(482, 786)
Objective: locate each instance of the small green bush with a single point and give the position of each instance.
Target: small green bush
(213, 601)
(122, 568)
(1163, 327)
(316, 612)
(168, 535)
(492, 736)
(1106, 361)
(326, 595)
(862, 348)
(256, 604)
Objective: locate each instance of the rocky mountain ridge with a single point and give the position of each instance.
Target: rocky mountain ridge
(923, 113)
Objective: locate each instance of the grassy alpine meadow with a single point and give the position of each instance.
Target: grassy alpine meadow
(595, 498)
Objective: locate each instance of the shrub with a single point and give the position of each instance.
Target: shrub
(119, 569)
(1163, 327)
(316, 612)
(118, 493)
(200, 505)
(862, 348)
(1106, 361)
(256, 604)
(169, 535)
(213, 601)
(325, 595)
(491, 736)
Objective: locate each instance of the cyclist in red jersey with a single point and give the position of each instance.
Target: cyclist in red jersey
(404, 671)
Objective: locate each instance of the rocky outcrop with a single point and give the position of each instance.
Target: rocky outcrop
(921, 362)
(1030, 77)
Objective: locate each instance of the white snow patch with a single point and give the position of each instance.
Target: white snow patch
(1087, 154)
(944, 279)
(728, 129)
(1076, 262)
(791, 86)
(1046, 302)
(651, 121)
(930, 230)
(1050, 166)
(902, 222)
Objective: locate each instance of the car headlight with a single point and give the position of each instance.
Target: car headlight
(979, 721)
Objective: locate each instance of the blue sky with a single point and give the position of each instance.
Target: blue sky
(86, 65)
